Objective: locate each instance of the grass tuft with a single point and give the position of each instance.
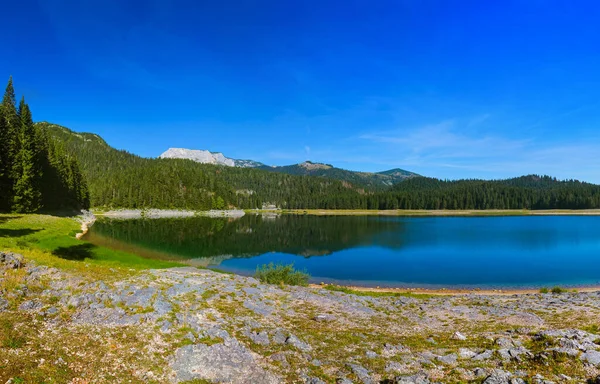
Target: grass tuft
(281, 274)
(558, 290)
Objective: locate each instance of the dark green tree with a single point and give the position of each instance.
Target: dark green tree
(26, 169)
(9, 125)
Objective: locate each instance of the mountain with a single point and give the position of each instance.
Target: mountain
(119, 179)
(199, 156)
(375, 180)
(207, 157)
(307, 168)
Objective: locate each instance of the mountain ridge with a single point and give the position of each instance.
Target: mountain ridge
(308, 168)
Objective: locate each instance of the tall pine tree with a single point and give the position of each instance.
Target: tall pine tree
(9, 125)
(35, 170)
(26, 169)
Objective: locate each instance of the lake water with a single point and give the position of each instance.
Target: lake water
(529, 251)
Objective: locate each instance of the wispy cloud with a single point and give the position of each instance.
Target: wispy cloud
(449, 145)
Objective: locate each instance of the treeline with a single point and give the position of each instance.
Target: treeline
(527, 192)
(36, 173)
(118, 179)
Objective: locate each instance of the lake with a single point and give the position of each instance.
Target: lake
(434, 252)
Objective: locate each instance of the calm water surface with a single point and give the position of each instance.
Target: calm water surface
(482, 252)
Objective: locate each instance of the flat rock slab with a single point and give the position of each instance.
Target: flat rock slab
(222, 363)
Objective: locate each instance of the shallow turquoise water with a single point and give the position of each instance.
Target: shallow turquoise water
(530, 251)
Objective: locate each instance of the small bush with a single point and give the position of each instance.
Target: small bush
(558, 290)
(544, 290)
(281, 274)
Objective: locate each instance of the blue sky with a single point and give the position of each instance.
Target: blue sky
(449, 89)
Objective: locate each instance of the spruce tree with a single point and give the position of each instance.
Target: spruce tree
(26, 168)
(8, 128)
(4, 184)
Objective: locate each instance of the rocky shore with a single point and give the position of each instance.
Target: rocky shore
(169, 213)
(186, 324)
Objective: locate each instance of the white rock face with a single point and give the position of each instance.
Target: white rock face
(198, 155)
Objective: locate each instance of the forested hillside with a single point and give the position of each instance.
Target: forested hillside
(369, 180)
(529, 192)
(120, 179)
(36, 173)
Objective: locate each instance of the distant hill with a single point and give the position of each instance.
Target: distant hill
(376, 180)
(366, 179)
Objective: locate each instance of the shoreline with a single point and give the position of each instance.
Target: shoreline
(423, 290)
(236, 213)
(444, 212)
(87, 219)
(168, 213)
(456, 291)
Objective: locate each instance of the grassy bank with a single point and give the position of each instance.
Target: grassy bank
(50, 240)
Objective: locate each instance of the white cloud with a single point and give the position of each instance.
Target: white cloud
(447, 145)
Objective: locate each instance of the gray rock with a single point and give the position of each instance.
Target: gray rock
(591, 357)
(324, 317)
(296, 342)
(426, 357)
(30, 305)
(11, 260)
(280, 357)
(480, 372)
(498, 376)
(229, 362)
(459, 336)
(316, 362)
(161, 306)
(448, 359)
(166, 326)
(567, 351)
(393, 366)
(190, 336)
(361, 372)
(258, 308)
(371, 354)
(503, 342)
(313, 380)
(419, 378)
(485, 355)
(343, 380)
(465, 353)
(279, 337)
(392, 350)
(3, 304)
(51, 311)
(539, 379)
(261, 338)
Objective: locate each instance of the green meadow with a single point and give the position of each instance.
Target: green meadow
(50, 240)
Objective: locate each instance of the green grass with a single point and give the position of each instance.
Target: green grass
(544, 290)
(558, 290)
(50, 240)
(281, 274)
